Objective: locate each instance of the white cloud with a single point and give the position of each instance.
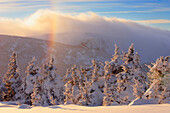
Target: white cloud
(115, 30)
(45, 21)
(154, 21)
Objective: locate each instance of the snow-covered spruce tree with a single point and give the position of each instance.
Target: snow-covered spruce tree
(12, 80)
(117, 61)
(163, 96)
(68, 87)
(75, 88)
(53, 85)
(72, 91)
(111, 69)
(160, 71)
(97, 84)
(108, 98)
(85, 98)
(122, 93)
(159, 76)
(137, 92)
(1, 89)
(68, 93)
(37, 96)
(33, 73)
(88, 70)
(94, 76)
(127, 80)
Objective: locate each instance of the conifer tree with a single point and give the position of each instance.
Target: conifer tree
(137, 86)
(75, 87)
(159, 75)
(85, 98)
(125, 70)
(96, 89)
(12, 80)
(111, 70)
(108, 98)
(68, 87)
(160, 71)
(53, 85)
(68, 93)
(122, 85)
(1, 89)
(163, 96)
(37, 96)
(33, 73)
(132, 72)
(72, 90)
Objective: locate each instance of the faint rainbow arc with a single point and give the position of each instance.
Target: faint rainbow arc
(53, 29)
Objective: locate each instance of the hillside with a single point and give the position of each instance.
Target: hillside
(149, 44)
(80, 50)
(65, 55)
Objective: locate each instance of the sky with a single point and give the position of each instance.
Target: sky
(154, 13)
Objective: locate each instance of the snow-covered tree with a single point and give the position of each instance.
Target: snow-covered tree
(97, 84)
(163, 96)
(108, 98)
(1, 89)
(68, 87)
(75, 87)
(85, 98)
(72, 90)
(112, 68)
(53, 85)
(125, 73)
(122, 88)
(33, 73)
(160, 71)
(12, 80)
(37, 96)
(68, 93)
(132, 76)
(159, 75)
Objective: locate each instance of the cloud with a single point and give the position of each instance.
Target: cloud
(161, 9)
(154, 21)
(20, 5)
(125, 12)
(73, 29)
(33, 5)
(46, 21)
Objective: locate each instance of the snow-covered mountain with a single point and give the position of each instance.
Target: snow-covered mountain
(78, 48)
(65, 55)
(149, 46)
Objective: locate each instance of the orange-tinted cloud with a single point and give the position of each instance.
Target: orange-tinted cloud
(43, 22)
(154, 21)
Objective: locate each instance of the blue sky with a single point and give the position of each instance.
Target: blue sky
(137, 10)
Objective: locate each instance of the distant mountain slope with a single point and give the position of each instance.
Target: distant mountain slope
(65, 55)
(149, 44)
(77, 48)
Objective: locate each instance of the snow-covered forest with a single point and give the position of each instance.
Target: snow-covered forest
(120, 81)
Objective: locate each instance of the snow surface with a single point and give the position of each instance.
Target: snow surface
(13, 108)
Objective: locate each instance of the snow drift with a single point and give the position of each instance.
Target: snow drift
(162, 108)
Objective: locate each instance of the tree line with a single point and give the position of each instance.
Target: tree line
(116, 82)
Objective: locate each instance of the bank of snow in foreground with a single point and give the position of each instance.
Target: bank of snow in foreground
(149, 108)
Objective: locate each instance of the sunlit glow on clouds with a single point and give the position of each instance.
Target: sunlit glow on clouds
(143, 11)
(154, 21)
(50, 22)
